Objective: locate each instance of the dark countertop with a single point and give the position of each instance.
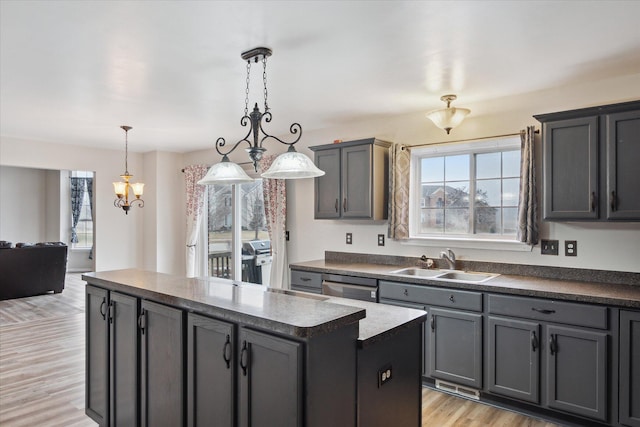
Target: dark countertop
(569, 290)
(288, 312)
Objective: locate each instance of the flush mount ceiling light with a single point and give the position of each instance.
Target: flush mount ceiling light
(449, 117)
(122, 188)
(290, 165)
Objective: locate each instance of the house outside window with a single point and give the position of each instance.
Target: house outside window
(466, 191)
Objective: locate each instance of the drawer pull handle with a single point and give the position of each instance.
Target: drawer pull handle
(451, 298)
(305, 279)
(552, 345)
(534, 341)
(226, 352)
(406, 292)
(543, 311)
(244, 358)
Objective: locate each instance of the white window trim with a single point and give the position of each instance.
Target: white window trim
(457, 241)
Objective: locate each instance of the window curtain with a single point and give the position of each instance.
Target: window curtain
(195, 201)
(89, 182)
(527, 204)
(77, 193)
(275, 210)
(399, 177)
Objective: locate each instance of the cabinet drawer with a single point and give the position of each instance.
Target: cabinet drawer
(548, 310)
(452, 298)
(306, 279)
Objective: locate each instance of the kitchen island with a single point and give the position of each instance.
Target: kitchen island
(168, 350)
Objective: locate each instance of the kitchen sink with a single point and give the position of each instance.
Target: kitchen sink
(417, 272)
(446, 275)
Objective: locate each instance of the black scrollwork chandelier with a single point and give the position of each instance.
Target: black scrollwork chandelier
(289, 165)
(122, 188)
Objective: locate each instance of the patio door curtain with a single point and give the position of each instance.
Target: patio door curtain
(195, 201)
(275, 210)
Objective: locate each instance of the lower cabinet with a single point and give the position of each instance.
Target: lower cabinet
(629, 393)
(455, 346)
(162, 365)
(270, 376)
(111, 358)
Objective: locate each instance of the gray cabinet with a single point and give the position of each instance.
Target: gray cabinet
(270, 376)
(589, 163)
(306, 281)
(355, 184)
(514, 358)
(629, 392)
(571, 355)
(623, 174)
(211, 371)
(162, 365)
(111, 358)
(453, 332)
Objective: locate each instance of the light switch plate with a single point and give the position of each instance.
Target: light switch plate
(549, 247)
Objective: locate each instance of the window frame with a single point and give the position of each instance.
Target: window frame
(470, 240)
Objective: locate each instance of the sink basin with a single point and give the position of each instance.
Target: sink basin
(463, 276)
(446, 275)
(417, 272)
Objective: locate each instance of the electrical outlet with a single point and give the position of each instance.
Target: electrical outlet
(570, 248)
(286, 235)
(384, 375)
(380, 239)
(549, 247)
(349, 238)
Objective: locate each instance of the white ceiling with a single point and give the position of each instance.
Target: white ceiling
(74, 71)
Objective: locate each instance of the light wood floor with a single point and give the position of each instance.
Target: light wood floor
(42, 369)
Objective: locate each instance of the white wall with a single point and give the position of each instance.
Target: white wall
(23, 205)
(602, 246)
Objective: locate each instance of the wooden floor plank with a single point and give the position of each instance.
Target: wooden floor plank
(42, 345)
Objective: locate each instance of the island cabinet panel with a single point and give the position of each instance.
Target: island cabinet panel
(270, 380)
(211, 371)
(455, 346)
(97, 355)
(577, 371)
(514, 358)
(124, 357)
(630, 368)
(111, 358)
(162, 365)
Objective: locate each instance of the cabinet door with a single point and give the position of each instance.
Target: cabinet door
(514, 358)
(357, 181)
(97, 354)
(270, 380)
(210, 372)
(123, 328)
(630, 368)
(577, 371)
(328, 200)
(455, 346)
(162, 364)
(623, 173)
(570, 169)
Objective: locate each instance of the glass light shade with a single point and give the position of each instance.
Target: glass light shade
(120, 188)
(292, 165)
(225, 172)
(448, 118)
(138, 188)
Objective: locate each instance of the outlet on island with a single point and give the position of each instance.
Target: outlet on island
(384, 375)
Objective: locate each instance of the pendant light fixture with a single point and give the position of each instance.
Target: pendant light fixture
(449, 117)
(290, 165)
(122, 188)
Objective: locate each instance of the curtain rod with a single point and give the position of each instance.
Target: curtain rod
(242, 163)
(470, 139)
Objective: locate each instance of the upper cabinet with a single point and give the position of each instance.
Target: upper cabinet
(590, 159)
(356, 180)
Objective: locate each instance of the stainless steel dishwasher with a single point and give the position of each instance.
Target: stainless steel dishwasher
(362, 288)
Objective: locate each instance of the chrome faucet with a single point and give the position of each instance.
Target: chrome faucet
(450, 257)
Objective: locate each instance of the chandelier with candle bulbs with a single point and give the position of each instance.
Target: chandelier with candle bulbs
(121, 188)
